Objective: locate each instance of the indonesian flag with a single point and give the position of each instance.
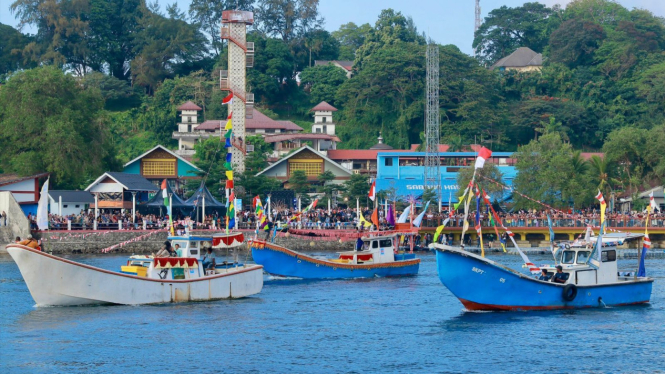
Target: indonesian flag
(228, 99)
(372, 191)
(652, 202)
(483, 155)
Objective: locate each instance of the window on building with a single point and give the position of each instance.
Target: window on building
(388, 161)
(76, 206)
(65, 206)
(318, 129)
(325, 129)
(189, 119)
(324, 119)
(151, 168)
(312, 169)
(357, 165)
(270, 131)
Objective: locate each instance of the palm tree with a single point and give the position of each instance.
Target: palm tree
(601, 169)
(580, 166)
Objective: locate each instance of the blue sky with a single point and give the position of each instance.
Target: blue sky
(446, 21)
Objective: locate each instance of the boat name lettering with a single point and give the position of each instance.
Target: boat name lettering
(476, 270)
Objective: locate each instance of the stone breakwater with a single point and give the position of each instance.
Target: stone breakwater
(94, 242)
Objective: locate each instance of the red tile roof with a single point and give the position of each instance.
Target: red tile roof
(189, 106)
(282, 137)
(442, 147)
(15, 178)
(213, 124)
(357, 154)
(323, 107)
(587, 155)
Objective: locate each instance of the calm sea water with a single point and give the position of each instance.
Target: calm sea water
(407, 325)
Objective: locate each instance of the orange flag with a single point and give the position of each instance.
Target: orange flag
(375, 217)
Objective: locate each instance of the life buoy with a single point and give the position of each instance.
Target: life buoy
(569, 292)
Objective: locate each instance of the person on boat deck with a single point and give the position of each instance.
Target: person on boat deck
(30, 242)
(209, 260)
(560, 276)
(166, 250)
(178, 251)
(359, 244)
(543, 275)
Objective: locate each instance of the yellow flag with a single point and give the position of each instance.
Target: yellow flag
(229, 175)
(603, 206)
(466, 226)
(437, 233)
(229, 125)
(364, 221)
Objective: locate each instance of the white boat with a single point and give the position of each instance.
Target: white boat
(54, 280)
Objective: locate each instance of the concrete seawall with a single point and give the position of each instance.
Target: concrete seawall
(67, 242)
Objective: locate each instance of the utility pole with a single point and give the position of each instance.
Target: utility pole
(478, 22)
(432, 124)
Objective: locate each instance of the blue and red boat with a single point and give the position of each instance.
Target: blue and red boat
(378, 258)
(482, 284)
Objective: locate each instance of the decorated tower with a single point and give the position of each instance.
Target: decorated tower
(241, 56)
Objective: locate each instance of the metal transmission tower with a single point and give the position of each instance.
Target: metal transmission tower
(478, 22)
(432, 128)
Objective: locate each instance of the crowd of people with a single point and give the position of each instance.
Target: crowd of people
(346, 219)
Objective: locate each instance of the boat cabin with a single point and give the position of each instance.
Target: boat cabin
(376, 250)
(575, 263)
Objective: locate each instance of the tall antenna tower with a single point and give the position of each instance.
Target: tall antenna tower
(432, 128)
(478, 22)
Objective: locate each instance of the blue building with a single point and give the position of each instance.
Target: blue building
(405, 171)
(160, 163)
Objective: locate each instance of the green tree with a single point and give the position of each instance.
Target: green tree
(327, 188)
(357, 187)
(351, 37)
(312, 46)
(545, 170)
(50, 123)
(601, 170)
(575, 41)
(287, 19)
(506, 29)
(207, 14)
(323, 82)
(12, 43)
(298, 182)
(210, 157)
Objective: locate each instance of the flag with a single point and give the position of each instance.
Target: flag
(439, 229)
(419, 218)
(228, 143)
(230, 115)
(229, 175)
(229, 125)
(405, 215)
(231, 212)
(652, 202)
(228, 99)
(229, 184)
(646, 245)
(362, 221)
(42, 208)
(372, 191)
(603, 206)
(594, 258)
(375, 217)
(549, 223)
(391, 216)
(256, 201)
(165, 196)
(228, 134)
(483, 155)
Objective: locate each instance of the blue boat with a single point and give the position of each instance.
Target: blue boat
(482, 284)
(377, 260)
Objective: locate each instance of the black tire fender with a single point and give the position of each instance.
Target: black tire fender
(569, 292)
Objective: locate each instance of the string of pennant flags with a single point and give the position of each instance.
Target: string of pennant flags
(136, 239)
(228, 135)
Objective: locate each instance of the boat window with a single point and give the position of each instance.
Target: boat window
(582, 257)
(568, 257)
(375, 244)
(384, 243)
(608, 256)
(182, 243)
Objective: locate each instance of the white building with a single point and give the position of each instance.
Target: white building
(189, 120)
(73, 202)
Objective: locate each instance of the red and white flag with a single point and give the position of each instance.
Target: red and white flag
(483, 155)
(600, 197)
(372, 191)
(228, 99)
(652, 203)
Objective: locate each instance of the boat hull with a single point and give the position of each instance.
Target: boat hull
(481, 284)
(281, 261)
(54, 281)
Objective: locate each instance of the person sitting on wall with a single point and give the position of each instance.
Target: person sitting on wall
(30, 242)
(560, 276)
(209, 261)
